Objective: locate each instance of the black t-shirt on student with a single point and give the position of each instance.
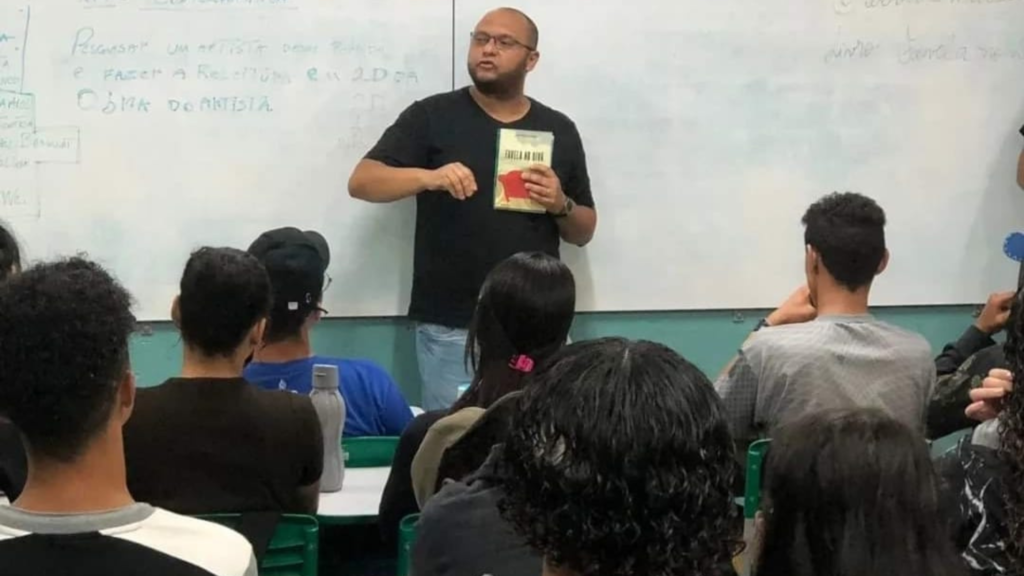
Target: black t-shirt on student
(459, 242)
(201, 446)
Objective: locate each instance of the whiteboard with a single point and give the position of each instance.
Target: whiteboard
(711, 126)
(139, 130)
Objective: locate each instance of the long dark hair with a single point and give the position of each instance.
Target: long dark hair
(526, 308)
(1011, 432)
(853, 493)
(10, 254)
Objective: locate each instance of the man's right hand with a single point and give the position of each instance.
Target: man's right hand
(454, 179)
(996, 314)
(797, 309)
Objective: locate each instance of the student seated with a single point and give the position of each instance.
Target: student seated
(822, 349)
(13, 466)
(296, 262)
(852, 492)
(964, 364)
(67, 385)
(619, 462)
(985, 469)
(208, 441)
(523, 315)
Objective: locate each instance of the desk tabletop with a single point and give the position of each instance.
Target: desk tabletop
(357, 502)
(359, 497)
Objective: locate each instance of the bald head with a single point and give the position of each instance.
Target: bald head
(532, 33)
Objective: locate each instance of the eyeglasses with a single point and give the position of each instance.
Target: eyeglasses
(503, 42)
(327, 281)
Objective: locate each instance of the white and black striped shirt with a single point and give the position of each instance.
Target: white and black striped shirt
(138, 540)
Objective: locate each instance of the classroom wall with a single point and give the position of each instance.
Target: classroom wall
(706, 338)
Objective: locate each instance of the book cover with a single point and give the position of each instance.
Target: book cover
(517, 151)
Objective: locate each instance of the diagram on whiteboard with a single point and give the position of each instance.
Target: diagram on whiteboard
(23, 143)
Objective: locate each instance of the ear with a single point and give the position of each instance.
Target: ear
(257, 332)
(176, 312)
(811, 259)
(126, 396)
(532, 60)
(884, 264)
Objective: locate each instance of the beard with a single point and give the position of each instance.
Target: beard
(507, 85)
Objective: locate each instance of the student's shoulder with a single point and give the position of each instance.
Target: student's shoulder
(361, 376)
(908, 341)
(421, 424)
(773, 340)
(217, 549)
(278, 403)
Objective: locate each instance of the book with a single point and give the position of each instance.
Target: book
(518, 150)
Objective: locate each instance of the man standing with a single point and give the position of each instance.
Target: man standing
(443, 151)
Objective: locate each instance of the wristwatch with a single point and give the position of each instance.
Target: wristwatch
(567, 209)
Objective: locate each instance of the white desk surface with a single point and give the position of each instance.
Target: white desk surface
(359, 496)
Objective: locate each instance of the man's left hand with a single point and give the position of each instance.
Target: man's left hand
(545, 188)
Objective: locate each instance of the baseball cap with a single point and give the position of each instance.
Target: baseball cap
(296, 262)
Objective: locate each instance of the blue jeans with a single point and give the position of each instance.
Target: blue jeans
(441, 354)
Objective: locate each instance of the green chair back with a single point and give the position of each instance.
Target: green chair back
(294, 548)
(370, 451)
(406, 539)
(755, 465)
(752, 503)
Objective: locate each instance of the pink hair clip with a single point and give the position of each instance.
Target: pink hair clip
(521, 363)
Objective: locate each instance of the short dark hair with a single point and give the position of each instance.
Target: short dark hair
(852, 492)
(63, 353)
(848, 231)
(534, 33)
(10, 254)
(620, 462)
(526, 307)
(224, 293)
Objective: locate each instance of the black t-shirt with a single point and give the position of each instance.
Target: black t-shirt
(399, 500)
(200, 446)
(459, 242)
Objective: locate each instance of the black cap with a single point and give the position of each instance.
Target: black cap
(296, 262)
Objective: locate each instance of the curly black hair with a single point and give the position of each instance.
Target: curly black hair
(63, 353)
(848, 232)
(1011, 432)
(620, 462)
(10, 254)
(853, 492)
(224, 293)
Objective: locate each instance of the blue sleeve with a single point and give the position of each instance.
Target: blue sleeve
(395, 413)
